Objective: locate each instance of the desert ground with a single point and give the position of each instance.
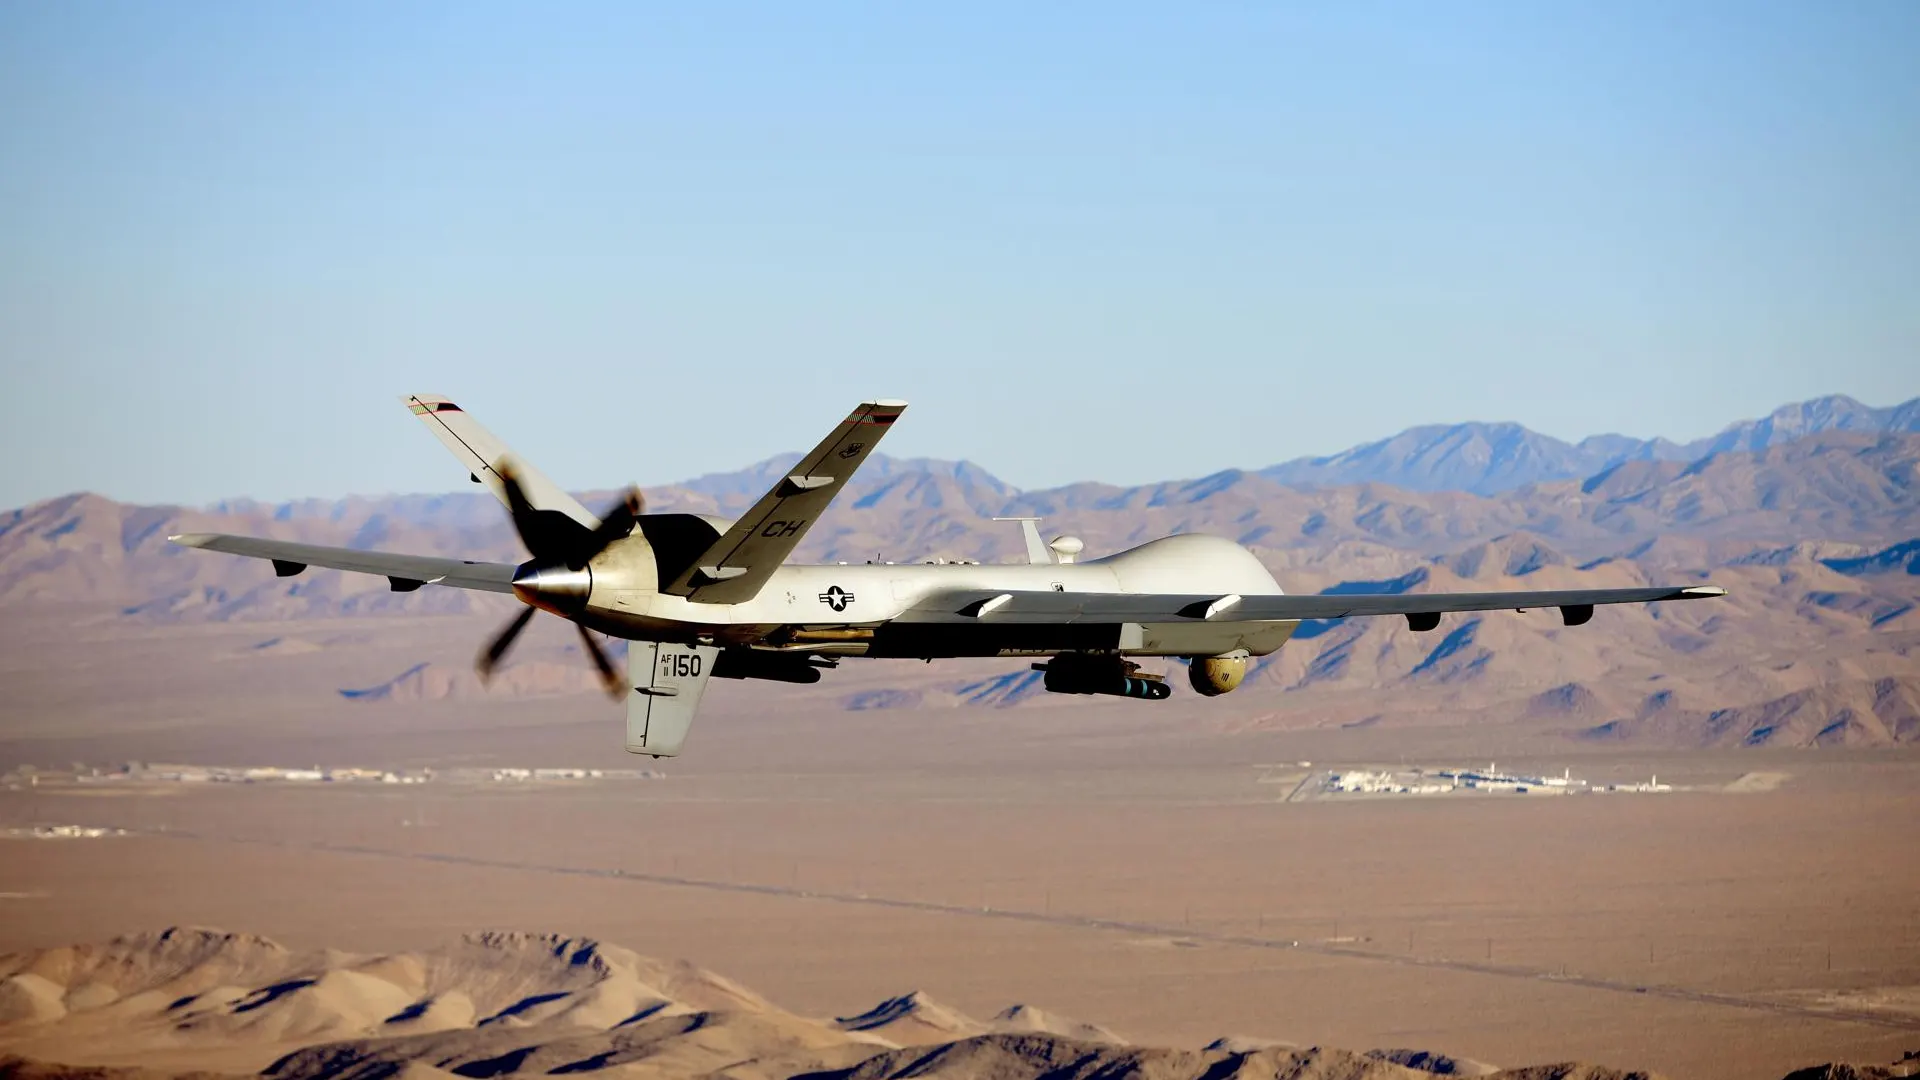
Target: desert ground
(1149, 867)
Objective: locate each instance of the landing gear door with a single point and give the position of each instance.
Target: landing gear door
(668, 681)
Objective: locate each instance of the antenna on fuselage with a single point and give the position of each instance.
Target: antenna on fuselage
(1037, 551)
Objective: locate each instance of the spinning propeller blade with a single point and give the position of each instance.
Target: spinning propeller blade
(609, 678)
(490, 659)
(616, 524)
(554, 540)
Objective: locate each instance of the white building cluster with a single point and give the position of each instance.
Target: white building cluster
(499, 775)
(1492, 779)
(1450, 780)
(64, 832)
(1652, 785)
(1425, 781)
(1362, 782)
(252, 774)
(141, 773)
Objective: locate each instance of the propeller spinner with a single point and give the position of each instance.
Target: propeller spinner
(556, 579)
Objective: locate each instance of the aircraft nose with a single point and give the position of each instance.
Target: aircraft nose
(553, 586)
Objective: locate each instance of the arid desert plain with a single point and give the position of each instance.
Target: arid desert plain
(1145, 869)
(252, 820)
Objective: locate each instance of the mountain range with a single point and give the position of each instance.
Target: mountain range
(1486, 458)
(1813, 531)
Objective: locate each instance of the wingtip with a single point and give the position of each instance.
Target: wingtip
(422, 404)
(1702, 591)
(192, 540)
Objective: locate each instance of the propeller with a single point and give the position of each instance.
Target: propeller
(556, 578)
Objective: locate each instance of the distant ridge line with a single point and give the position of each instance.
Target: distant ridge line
(1487, 458)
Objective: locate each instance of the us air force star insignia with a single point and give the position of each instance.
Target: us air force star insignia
(836, 598)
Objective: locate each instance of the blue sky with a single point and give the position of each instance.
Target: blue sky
(1087, 241)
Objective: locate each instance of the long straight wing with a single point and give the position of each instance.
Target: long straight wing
(984, 606)
(736, 565)
(404, 573)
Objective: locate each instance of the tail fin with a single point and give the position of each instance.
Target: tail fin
(736, 565)
(481, 452)
(668, 681)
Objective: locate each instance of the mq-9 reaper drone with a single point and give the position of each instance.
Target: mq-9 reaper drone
(701, 597)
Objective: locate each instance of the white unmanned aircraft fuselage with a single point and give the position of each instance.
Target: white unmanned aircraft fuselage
(702, 596)
(856, 609)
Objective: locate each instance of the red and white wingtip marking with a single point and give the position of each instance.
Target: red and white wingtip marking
(883, 411)
(422, 404)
